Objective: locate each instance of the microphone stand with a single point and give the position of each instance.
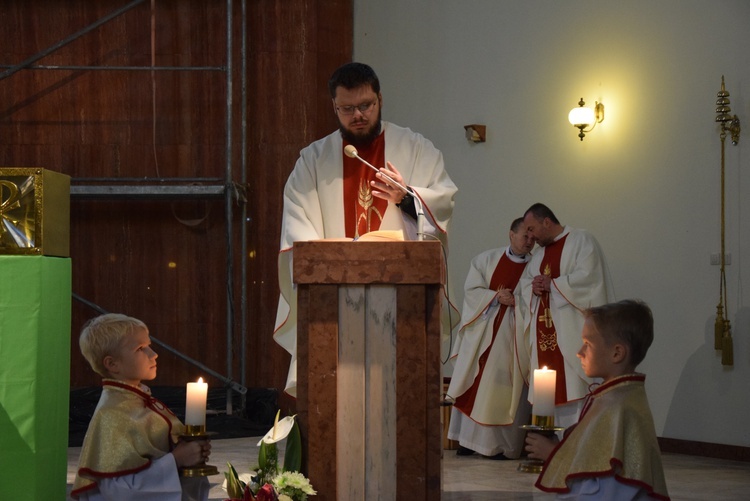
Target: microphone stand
(420, 218)
(350, 151)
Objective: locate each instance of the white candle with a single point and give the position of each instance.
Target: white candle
(195, 404)
(544, 392)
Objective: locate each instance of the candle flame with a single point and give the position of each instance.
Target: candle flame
(544, 368)
(200, 380)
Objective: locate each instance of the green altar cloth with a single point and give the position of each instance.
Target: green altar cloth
(35, 297)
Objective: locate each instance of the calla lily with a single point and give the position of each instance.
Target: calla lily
(279, 431)
(290, 485)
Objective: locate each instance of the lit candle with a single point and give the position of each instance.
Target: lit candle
(544, 392)
(195, 405)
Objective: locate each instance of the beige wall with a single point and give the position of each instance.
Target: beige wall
(646, 182)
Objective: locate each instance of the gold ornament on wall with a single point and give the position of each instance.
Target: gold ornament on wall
(722, 328)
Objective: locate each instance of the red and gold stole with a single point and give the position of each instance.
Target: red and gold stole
(362, 211)
(506, 276)
(548, 352)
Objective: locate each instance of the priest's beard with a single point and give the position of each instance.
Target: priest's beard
(362, 139)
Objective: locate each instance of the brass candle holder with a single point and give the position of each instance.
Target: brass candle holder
(544, 425)
(193, 433)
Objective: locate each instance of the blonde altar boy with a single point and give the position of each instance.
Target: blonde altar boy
(612, 452)
(131, 448)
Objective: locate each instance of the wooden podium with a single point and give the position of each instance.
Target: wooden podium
(369, 378)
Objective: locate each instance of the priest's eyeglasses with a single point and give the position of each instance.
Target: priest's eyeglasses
(350, 109)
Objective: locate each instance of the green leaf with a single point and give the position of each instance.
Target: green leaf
(293, 451)
(235, 487)
(262, 453)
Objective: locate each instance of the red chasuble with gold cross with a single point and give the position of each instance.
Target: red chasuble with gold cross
(362, 211)
(548, 352)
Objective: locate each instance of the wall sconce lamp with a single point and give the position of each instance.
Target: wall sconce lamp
(476, 133)
(585, 119)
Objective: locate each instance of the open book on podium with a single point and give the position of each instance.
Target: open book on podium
(382, 236)
(368, 360)
(371, 236)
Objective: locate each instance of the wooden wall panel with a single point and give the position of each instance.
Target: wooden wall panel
(294, 47)
(156, 261)
(89, 123)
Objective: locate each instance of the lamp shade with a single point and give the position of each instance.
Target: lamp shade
(581, 116)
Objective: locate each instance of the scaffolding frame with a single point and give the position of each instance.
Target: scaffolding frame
(171, 188)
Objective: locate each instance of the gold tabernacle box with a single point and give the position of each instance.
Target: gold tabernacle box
(34, 212)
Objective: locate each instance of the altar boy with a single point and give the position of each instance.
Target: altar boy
(612, 452)
(132, 449)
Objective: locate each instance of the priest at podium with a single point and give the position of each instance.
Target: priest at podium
(369, 175)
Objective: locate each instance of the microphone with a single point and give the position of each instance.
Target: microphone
(351, 152)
